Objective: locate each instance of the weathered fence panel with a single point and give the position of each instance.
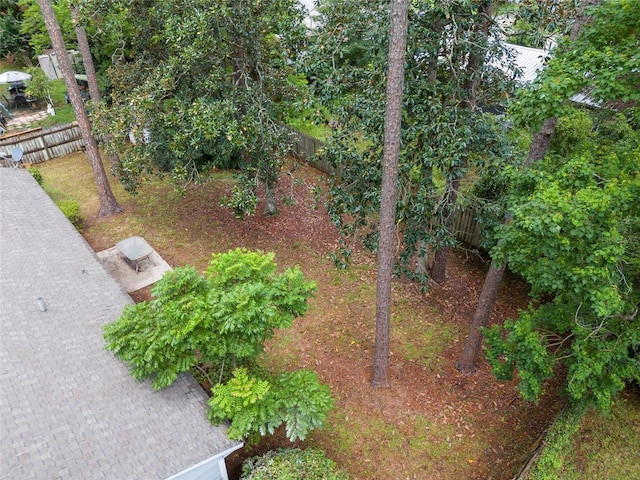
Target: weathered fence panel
(465, 227)
(42, 144)
(305, 148)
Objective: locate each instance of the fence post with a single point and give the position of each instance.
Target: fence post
(43, 144)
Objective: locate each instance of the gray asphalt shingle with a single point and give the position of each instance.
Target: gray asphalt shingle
(68, 408)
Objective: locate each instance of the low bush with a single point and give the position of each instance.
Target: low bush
(71, 210)
(35, 173)
(293, 464)
(558, 445)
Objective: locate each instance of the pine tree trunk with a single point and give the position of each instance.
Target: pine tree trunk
(391, 154)
(467, 361)
(477, 55)
(87, 59)
(108, 202)
(541, 142)
(473, 76)
(92, 78)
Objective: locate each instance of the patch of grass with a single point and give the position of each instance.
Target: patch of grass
(342, 276)
(64, 111)
(64, 114)
(417, 444)
(590, 445)
(71, 178)
(420, 336)
(285, 353)
(291, 463)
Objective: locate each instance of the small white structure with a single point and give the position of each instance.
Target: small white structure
(529, 61)
(311, 12)
(49, 63)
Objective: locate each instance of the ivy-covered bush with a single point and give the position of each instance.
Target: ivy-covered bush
(294, 464)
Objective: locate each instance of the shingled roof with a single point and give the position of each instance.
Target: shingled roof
(68, 408)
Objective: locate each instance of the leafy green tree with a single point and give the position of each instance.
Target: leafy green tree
(601, 62)
(536, 22)
(38, 84)
(34, 29)
(578, 61)
(222, 319)
(12, 41)
(203, 86)
(451, 70)
(108, 31)
(573, 237)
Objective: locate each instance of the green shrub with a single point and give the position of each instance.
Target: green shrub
(35, 173)
(257, 407)
(223, 319)
(71, 210)
(291, 464)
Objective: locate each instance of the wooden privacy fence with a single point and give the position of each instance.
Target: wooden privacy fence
(465, 226)
(305, 146)
(42, 144)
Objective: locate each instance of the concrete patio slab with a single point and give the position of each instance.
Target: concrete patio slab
(149, 271)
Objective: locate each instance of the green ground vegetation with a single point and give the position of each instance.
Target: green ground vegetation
(592, 446)
(157, 205)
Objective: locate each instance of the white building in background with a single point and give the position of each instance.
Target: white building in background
(529, 61)
(311, 11)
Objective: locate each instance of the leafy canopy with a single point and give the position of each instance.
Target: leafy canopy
(223, 318)
(602, 63)
(574, 238)
(32, 25)
(203, 86)
(444, 133)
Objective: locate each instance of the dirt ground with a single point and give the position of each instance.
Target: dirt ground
(433, 422)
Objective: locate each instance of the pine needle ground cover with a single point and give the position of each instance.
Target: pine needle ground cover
(433, 422)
